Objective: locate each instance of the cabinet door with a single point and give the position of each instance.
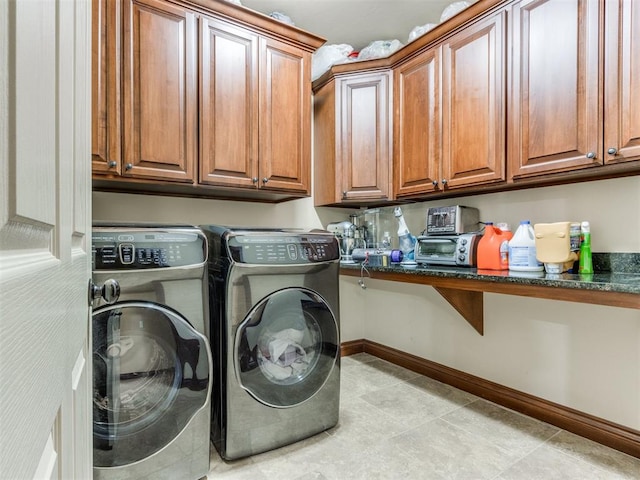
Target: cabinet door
(554, 105)
(622, 81)
(285, 117)
(228, 105)
(326, 181)
(417, 145)
(364, 132)
(159, 91)
(105, 86)
(473, 105)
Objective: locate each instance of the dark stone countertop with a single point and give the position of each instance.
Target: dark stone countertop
(613, 273)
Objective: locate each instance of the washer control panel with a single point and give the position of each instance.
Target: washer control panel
(153, 248)
(284, 249)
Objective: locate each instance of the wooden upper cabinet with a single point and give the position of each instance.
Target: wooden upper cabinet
(352, 143)
(105, 87)
(159, 91)
(365, 137)
(554, 108)
(255, 110)
(285, 117)
(473, 105)
(417, 141)
(622, 81)
(200, 98)
(228, 104)
(450, 116)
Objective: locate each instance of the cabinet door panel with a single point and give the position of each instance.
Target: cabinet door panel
(160, 108)
(473, 106)
(327, 182)
(105, 87)
(622, 81)
(364, 129)
(554, 106)
(228, 105)
(417, 144)
(285, 117)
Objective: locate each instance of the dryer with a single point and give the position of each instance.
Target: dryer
(274, 325)
(152, 368)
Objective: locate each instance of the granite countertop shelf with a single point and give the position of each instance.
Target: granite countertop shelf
(463, 287)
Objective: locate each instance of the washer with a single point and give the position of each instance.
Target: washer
(152, 368)
(274, 316)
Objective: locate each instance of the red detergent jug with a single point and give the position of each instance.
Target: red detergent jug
(489, 255)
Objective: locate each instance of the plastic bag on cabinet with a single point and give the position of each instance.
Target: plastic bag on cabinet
(328, 55)
(379, 49)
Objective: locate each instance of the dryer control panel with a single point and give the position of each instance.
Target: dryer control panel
(135, 250)
(274, 249)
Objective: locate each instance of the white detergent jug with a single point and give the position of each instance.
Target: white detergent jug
(522, 250)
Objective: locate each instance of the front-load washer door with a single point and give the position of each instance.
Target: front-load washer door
(286, 347)
(151, 375)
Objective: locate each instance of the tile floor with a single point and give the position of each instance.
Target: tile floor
(396, 424)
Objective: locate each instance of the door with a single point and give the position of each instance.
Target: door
(286, 347)
(45, 225)
(159, 91)
(622, 81)
(473, 105)
(417, 146)
(285, 117)
(228, 105)
(554, 105)
(150, 378)
(106, 18)
(364, 132)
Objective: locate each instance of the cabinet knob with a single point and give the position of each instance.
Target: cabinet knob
(112, 164)
(435, 183)
(265, 180)
(128, 166)
(254, 179)
(612, 151)
(444, 181)
(591, 155)
(344, 194)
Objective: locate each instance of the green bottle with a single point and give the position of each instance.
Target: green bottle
(585, 264)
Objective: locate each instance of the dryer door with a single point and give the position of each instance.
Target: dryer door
(286, 347)
(151, 374)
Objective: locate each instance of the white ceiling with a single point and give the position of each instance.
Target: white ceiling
(356, 22)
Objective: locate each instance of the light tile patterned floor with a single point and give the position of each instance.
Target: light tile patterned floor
(396, 424)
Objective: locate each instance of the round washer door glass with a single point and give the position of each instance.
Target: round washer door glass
(151, 374)
(286, 347)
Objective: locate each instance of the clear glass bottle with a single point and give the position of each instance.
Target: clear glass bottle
(406, 241)
(386, 241)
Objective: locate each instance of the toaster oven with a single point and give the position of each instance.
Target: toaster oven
(454, 250)
(452, 220)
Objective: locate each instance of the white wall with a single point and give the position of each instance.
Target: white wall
(152, 208)
(583, 356)
(612, 207)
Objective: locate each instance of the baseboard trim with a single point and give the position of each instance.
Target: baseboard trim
(352, 347)
(616, 436)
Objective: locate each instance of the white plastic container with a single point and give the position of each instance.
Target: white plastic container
(504, 246)
(522, 250)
